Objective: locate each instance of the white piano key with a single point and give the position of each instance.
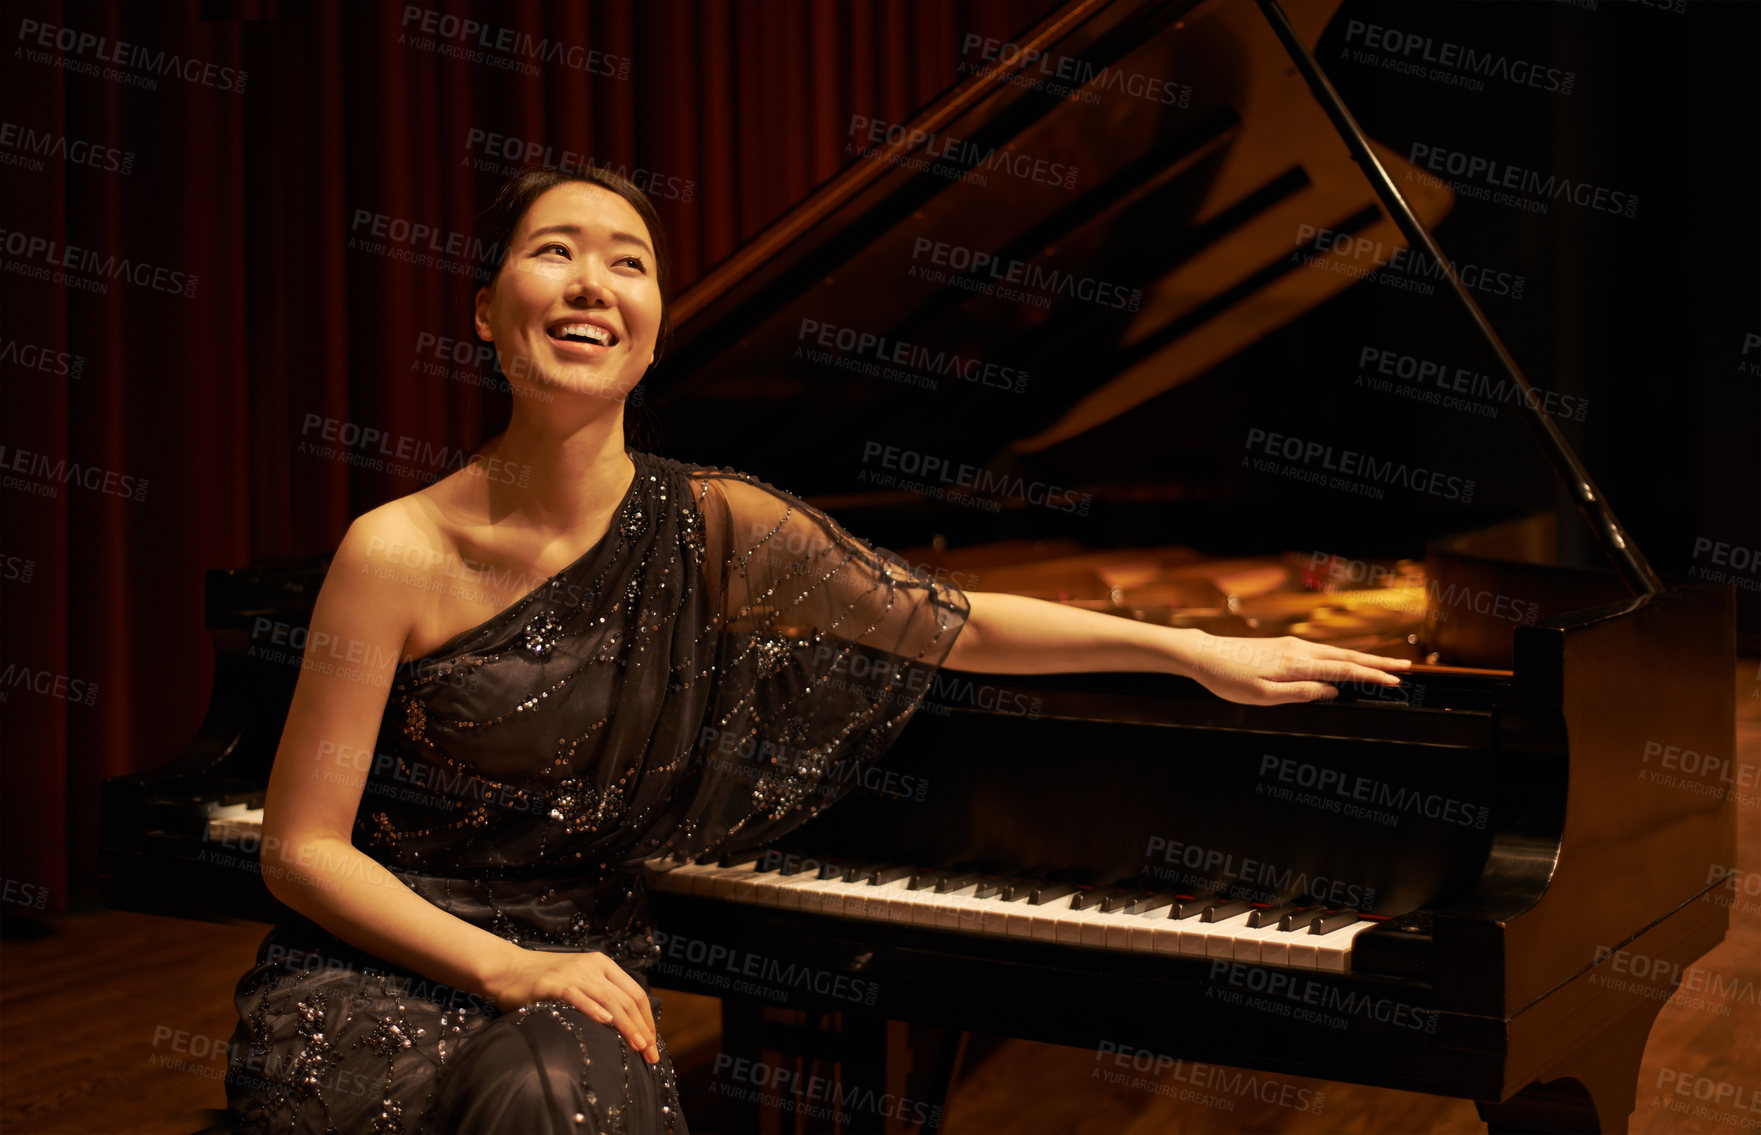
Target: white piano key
(1074, 926)
(756, 887)
(1225, 934)
(1043, 919)
(1200, 939)
(1121, 927)
(826, 896)
(684, 878)
(1302, 951)
(989, 917)
(1248, 941)
(235, 823)
(732, 884)
(1333, 951)
(1017, 919)
(1100, 931)
(954, 909)
(927, 907)
(886, 901)
(903, 906)
(789, 890)
(872, 900)
(1155, 933)
(1275, 948)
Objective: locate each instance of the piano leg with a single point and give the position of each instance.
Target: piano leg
(1594, 1089)
(935, 1056)
(742, 1026)
(922, 1062)
(890, 1076)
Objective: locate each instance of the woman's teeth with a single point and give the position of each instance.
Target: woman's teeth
(584, 333)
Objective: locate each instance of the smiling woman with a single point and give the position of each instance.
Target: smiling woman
(580, 280)
(470, 946)
(655, 658)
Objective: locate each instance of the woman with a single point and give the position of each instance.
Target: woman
(535, 672)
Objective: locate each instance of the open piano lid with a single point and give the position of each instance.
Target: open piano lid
(1034, 256)
(1123, 244)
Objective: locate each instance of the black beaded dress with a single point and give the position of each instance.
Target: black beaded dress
(685, 686)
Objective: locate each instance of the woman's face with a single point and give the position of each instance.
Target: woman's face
(576, 305)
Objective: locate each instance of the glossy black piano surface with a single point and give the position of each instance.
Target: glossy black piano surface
(1481, 825)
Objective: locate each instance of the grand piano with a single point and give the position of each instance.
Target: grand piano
(1428, 888)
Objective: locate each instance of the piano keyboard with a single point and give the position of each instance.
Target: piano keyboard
(1139, 921)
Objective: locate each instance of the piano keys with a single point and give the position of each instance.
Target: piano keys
(1152, 922)
(1304, 938)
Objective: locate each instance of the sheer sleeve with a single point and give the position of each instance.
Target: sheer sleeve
(824, 647)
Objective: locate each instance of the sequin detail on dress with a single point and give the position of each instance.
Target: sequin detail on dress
(543, 632)
(701, 679)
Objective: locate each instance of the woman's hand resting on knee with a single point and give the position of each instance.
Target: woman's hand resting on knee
(590, 981)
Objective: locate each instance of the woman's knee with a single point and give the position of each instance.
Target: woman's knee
(530, 1070)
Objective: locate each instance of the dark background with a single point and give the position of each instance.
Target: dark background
(736, 111)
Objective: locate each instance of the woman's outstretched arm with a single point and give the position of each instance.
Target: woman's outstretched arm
(1012, 634)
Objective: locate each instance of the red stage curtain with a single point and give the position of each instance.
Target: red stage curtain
(245, 326)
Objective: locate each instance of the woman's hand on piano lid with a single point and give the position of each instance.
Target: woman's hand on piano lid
(589, 980)
(1271, 671)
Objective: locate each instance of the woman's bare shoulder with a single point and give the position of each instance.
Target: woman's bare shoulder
(410, 531)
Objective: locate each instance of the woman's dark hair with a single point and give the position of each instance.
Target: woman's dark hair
(496, 227)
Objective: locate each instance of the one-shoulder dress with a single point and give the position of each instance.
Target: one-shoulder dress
(686, 686)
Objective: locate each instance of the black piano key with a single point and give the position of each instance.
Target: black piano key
(936, 876)
(991, 886)
(1272, 915)
(1229, 908)
(1151, 903)
(886, 873)
(1301, 920)
(800, 864)
(1191, 906)
(835, 869)
(1331, 922)
(1087, 898)
(1051, 886)
(770, 861)
(957, 881)
(1048, 890)
(1123, 900)
(741, 858)
(1019, 883)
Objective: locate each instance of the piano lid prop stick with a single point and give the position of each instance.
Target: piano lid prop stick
(1619, 546)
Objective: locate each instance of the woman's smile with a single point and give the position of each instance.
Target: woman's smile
(586, 338)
